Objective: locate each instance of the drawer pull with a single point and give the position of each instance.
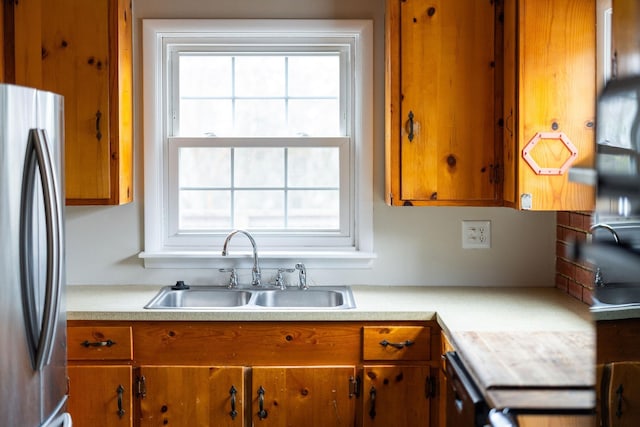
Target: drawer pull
(120, 392)
(262, 413)
(107, 343)
(233, 414)
(372, 399)
(398, 345)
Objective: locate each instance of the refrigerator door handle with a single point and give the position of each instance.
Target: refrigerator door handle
(38, 156)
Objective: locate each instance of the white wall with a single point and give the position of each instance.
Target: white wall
(415, 246)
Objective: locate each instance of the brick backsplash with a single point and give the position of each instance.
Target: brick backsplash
(573, 277)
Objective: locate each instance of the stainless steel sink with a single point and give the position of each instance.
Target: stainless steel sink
(295, 298)
(198, 298)
(212, 297)
(617, 294)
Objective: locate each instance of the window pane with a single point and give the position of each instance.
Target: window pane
(314, 209)
(205, 167)
(314, 117)
(204, 210)
(259, 167)
(260, 76)
(314, 76)
(314, 167)
(205, 76)
(260, 118)
(259, 209)
(205, 117)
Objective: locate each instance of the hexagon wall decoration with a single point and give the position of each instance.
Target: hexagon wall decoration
(559, 136)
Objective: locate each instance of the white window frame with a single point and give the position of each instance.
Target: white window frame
(161, 250)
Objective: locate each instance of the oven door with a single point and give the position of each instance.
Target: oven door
(465, 405)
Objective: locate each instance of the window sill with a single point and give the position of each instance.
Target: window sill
(268, 259)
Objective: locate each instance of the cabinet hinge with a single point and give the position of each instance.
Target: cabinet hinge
(141, 387)
(354, 387)
(430, 387)
(497, 173)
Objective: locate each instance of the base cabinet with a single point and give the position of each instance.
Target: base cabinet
(191, 395)
(396, 396)
(269, 374)
(101, 395)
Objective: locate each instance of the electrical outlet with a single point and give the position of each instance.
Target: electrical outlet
(476, 234)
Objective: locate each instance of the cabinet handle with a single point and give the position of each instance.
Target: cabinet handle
(262, 413)
(409, 126)
(398, 345)
(619, 391)
(107, 343)
(120, 391)
(98, 133)
(233, 414)
(372, 398)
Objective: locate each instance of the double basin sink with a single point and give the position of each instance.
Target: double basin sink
(216, 297)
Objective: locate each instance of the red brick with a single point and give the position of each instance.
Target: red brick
(562, 282)
(562, 218)
(587, 296)
(584, 277)
(565, 268)
(575, 290)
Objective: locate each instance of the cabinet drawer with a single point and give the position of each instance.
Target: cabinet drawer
(396, 343)
(99, 343)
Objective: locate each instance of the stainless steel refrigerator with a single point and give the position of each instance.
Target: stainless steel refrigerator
(33, 377)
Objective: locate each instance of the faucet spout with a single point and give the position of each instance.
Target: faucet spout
(256, 273)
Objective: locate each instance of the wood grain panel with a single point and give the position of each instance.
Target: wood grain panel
(316, 396)
(259, 343)
(121, 347)
(618, 340)
(191, 396)
(93, 395)
(626, 45)
(419, 338)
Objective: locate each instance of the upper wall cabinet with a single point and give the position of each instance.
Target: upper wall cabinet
(82, 50)
(440, 120)
(626, 43)
(549, 102)
(86, 56)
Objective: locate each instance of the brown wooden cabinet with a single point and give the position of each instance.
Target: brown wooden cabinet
(191, 395)
(82, 50)
(100, 376)
(398, 394)
(271, 373)
(86, 56)
(549, 102)
(440, 121)
(626, 44)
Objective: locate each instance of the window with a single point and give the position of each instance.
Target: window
(259, 125)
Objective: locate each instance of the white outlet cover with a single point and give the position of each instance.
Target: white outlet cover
(476, 234)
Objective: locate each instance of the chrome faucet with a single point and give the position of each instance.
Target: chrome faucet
(614, 233)
(598, 280)
(256, 273)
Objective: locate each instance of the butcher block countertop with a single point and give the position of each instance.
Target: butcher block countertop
(508, 338)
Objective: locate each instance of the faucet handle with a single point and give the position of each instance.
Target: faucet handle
(280, 280)
(302, 276)
(233, 279)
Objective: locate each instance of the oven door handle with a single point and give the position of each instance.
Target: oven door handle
(501, 418)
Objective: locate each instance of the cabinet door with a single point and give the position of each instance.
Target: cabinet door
(86, 56)
(623, 397)
(440, 102)
(315, 396)
(549, 107)
(626, 45)
(100, 396)
(396, 396)
(191, 396)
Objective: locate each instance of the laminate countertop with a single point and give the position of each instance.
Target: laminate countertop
(508, 338)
